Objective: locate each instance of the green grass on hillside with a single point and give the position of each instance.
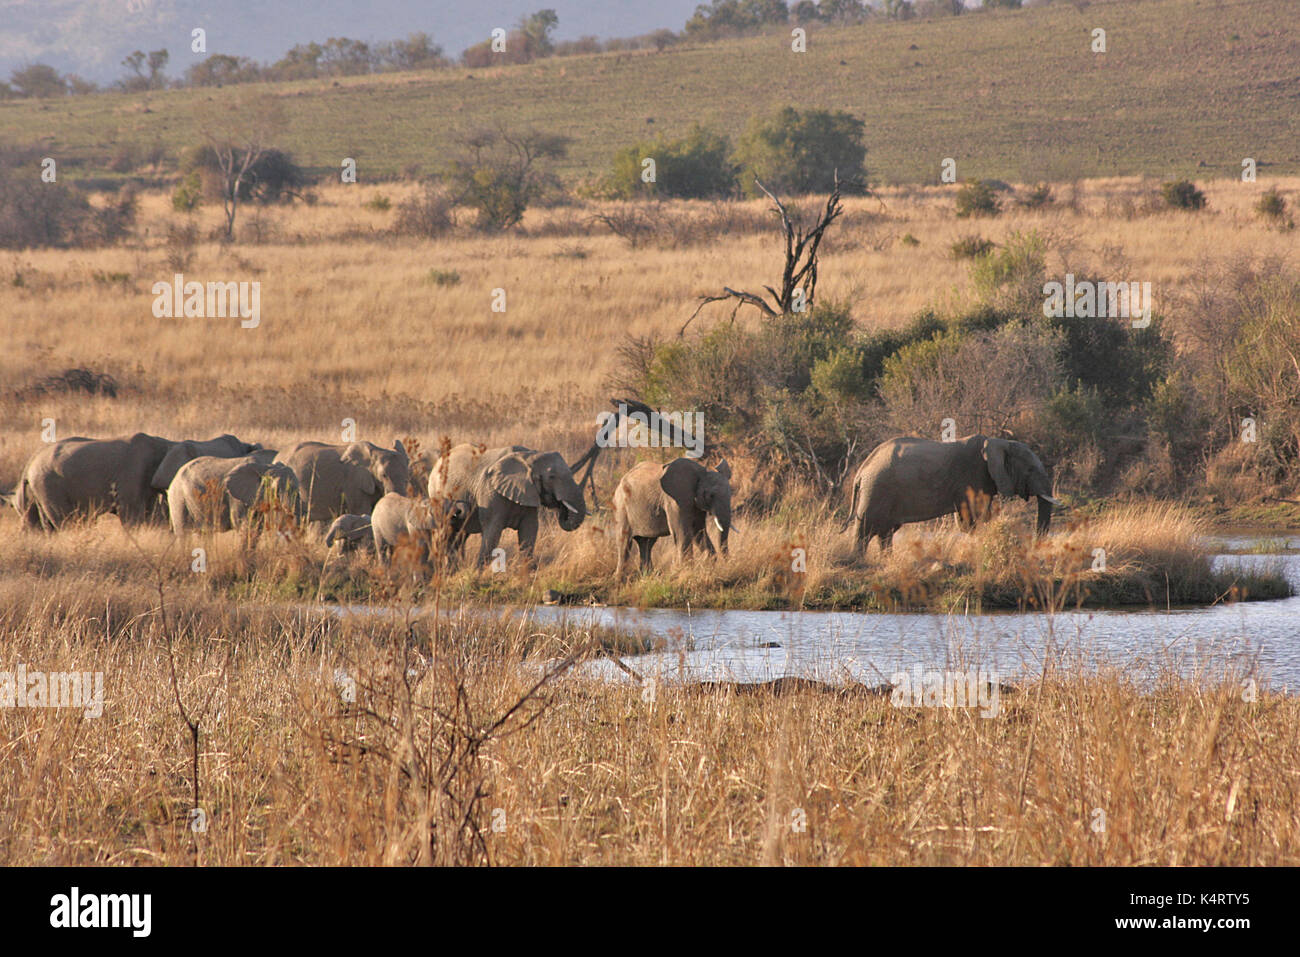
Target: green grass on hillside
(1187, 87)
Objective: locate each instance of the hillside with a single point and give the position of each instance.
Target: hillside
(1187, 87)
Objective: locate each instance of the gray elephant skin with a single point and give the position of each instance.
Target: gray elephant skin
(678, 499)
(346, 479)
(350, 532)
(430, 525)
(909, 479)
(126, 476)
(505, 488)
(218, 494)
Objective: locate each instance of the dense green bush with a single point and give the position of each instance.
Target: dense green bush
(1182, 194)
(800, 151)
(695, 166)
(272, 177)
(977, 198)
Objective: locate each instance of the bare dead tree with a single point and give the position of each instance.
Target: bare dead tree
(238, 146)
(799, 275)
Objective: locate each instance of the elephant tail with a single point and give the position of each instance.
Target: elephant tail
(853, 508)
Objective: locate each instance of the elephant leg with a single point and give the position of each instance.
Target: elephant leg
(623, 542)
(701, 537)
(527, 534)
(491, 534)
(645, 544)
(887, 538)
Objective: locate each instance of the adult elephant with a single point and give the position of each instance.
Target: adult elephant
(219, 493)
(504, 488)
(425, 523)
(127, 476)
(908, 480)
(346, 479)
(676, 499)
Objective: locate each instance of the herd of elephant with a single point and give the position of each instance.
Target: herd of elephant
(361, 495)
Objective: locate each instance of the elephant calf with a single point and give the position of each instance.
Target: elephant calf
(351, 532)
(675, 499)
(908, 480)
(219, 493)
(504, 488)
(346, 479)
(429, 525)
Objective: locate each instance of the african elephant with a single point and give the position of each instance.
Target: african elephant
(80, 476)
(914, 480)
(675, 499)
(346, 479)
(423, 522)
(351, 531)
(219, 493)
(504, 488)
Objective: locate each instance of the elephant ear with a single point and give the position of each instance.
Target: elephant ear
(511, 478)
(180, 453)
(358, 454)
(679, 480)
(995, 454)
(243, 482)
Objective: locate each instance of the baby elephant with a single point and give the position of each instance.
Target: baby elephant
(351, 532)
(675, 499)
(423, 522)
(219, 493)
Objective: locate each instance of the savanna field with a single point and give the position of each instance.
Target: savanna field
(434, 725)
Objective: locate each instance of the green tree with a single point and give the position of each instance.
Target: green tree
(695, 166)
(801, 151)
(501, 173)
(39, 81)
(537, 27)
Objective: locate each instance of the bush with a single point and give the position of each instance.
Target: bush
(379, 203)
(37, 214)
(1039, 197)
(1271, 206)
(273, 177)
(799, 152)
(1182, 194)
(693, 167)
(972, 247)
(444, 277)
(188, 195)
(977, 198)
(428, 214)
(501, 173)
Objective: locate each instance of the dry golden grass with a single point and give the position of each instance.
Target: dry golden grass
(416, 769)
(353, 327)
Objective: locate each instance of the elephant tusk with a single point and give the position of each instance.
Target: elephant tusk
(570, 507)
(1050, 500)
(718, 524)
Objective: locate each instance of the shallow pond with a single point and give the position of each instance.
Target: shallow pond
(1259, 639)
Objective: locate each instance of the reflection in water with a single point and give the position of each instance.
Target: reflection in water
(1261, 639)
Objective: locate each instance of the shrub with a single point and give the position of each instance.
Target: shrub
(693, 167)
(274, 176)
(800, 151)
(1182, 194)
(501, 173)
(35, 214)
(1271, 205)
(977, 198)
(972, 247)
(1037, 198)
(427, 214)
(379, 203)
(444, 277)
(188, 195)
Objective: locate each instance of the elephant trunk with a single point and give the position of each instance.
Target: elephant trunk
(571, 509)
(721, 515)
(1044, 514)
